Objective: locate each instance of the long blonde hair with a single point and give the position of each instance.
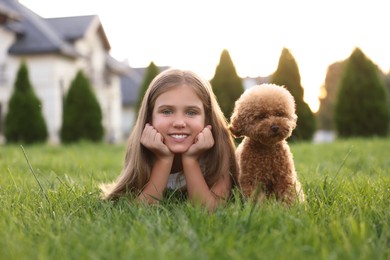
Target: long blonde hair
(139, 160)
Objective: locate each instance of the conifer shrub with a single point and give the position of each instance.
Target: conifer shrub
(82, 115)
(24, 121)
(362, 108)
(226, 84)
(287, 75)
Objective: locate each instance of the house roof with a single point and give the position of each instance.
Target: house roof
(75, 27)
(35, 35)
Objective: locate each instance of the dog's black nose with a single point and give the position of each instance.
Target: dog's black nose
(275, 128)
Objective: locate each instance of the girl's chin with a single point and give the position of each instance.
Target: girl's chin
(178, 148)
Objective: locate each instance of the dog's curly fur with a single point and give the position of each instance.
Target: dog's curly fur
(265, 116)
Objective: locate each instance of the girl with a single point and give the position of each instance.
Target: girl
(180, 141)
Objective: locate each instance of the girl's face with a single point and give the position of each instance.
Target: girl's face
(179, 116)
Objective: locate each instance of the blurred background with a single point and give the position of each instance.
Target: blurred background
(115, 42)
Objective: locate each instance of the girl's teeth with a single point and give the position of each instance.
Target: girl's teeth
(179, 136)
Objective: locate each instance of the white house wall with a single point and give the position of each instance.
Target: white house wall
(109, 97)
(7, 38)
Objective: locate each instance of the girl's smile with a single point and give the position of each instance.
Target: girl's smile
(178, 137)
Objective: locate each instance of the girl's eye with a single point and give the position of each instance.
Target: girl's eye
(166, 112)
(192, 113)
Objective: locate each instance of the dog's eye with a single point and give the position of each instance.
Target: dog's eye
(261, 116)
(279, 114)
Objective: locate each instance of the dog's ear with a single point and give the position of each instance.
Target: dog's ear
(294, 120)
(235, 126)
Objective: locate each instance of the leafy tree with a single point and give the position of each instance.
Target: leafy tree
(328, 97)
(151, 72)
(82, 115)
(287, 75)
(362, 107)
(24, 121)
(227, 85)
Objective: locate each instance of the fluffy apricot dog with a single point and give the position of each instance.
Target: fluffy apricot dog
(265, 116)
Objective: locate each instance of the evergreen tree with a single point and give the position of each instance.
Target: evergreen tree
(362, 107)
(151, 72)
(287, 75)
(82, 115)
(24, 121)
(227, 85)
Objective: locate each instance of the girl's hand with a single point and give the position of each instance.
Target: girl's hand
(203, 142)
(153, 141)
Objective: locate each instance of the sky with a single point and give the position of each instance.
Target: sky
(191, 34)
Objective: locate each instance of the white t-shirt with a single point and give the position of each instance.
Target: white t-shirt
(176, 181)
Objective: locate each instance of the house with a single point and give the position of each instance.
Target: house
(54, 50)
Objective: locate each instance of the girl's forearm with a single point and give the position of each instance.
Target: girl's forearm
(154, 189)
(197, 188)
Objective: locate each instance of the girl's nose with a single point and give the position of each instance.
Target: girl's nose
(179, 123)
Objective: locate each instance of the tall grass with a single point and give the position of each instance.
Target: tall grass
(346, 216)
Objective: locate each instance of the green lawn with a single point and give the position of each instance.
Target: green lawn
(347, 214)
